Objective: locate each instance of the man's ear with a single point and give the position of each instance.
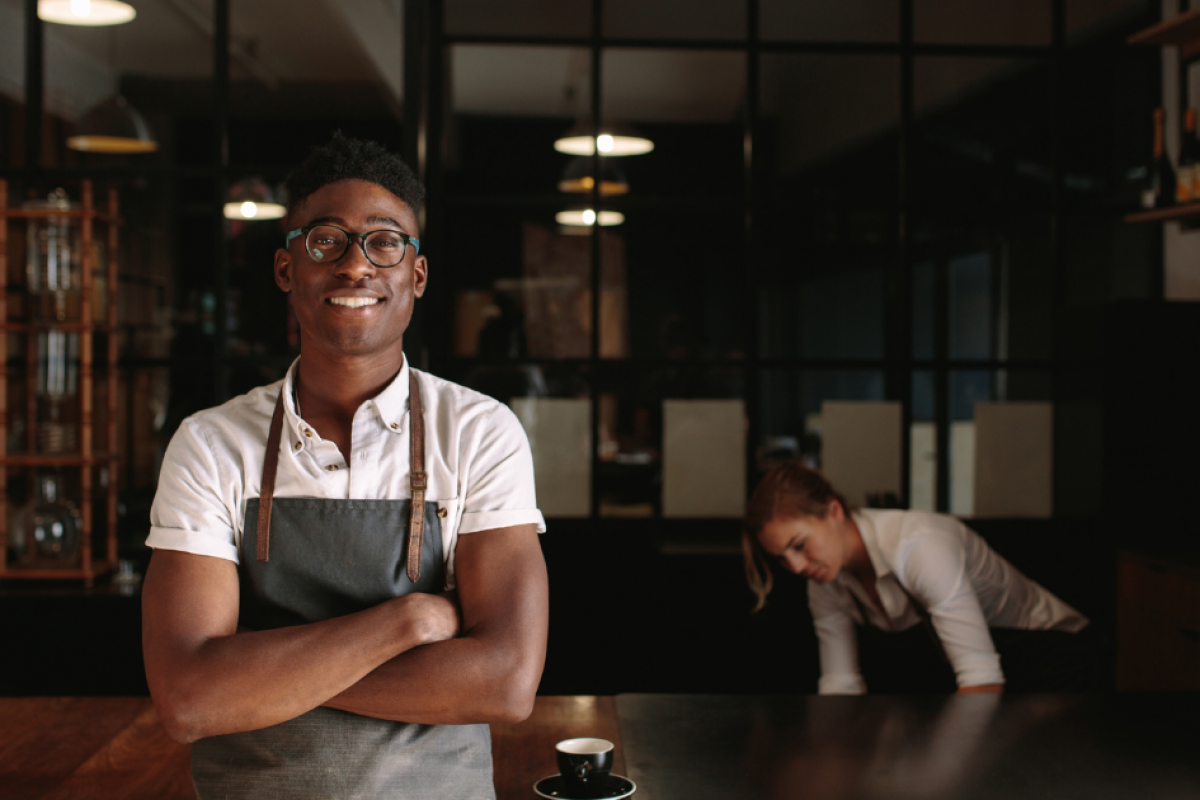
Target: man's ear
(283, 269)
(420, 276)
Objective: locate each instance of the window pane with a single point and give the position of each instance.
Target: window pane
(1024, 22)
(1093, 20)
(688, 103)
(970, 296)
(675, 19)
(983, 131)
(922, 471)
(518, 17)
(679, 306)
(923, 310)
(830, 20)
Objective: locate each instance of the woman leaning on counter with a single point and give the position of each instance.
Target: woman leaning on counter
(891, 570)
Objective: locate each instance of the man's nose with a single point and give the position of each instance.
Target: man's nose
(354, 264)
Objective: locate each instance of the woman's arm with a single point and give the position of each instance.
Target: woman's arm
(838, 643)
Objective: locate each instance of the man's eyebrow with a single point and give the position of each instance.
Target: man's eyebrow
(321, 220)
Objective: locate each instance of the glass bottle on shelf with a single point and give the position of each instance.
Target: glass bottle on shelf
(49, 528)
(53, 257)
(57, 386)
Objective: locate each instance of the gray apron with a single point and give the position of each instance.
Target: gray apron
(329, 558)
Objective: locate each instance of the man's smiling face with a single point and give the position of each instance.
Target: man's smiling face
(351, 307)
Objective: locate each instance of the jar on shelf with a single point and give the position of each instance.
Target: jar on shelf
(53, 259)
(57, 387)
(47, 531)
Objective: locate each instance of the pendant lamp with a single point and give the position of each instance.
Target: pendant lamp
(113, 126)
(252, 199)
(577, 179)
(85, 12)
(614, 139)
(587, 217)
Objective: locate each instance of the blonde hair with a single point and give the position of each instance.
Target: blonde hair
(790, 489)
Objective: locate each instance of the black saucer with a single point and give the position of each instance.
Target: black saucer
(612, 787)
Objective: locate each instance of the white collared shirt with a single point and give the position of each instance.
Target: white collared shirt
(476, 454)
(946, 567)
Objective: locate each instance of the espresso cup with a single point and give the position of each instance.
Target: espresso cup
(584, 762)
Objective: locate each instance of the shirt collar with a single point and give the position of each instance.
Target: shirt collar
(866, 527)
(391, 404)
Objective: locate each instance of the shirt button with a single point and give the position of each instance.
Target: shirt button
(332, 468)
(299, 445)
(308, 431)
(442, 513)
(395, 426)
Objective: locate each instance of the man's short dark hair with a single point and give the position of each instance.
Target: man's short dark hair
(353, 159)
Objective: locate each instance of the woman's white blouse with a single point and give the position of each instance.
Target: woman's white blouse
(947, 568)
(476, 455)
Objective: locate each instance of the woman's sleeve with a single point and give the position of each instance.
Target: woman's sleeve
(934, 571)
(838, 644)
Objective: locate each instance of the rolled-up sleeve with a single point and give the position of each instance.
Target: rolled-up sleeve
(837, 642)
(188, 514)
(499, 489)
(933, 569)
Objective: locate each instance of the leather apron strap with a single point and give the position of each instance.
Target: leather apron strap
(418, 479)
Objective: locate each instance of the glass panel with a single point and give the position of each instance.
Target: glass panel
(923, 310)
(515, 101)
(518, 17)
(1015, 22)
(829, 126)
(922, 486)
(983, 131)
(675, 19)
(632, 407)
(688, 103)
(970, 312)
(967, 387)
(1091, 21)
(521, 283)
(830, 20)
(660, 268)
(790, 410)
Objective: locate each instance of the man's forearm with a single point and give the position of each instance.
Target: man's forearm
(455, 682)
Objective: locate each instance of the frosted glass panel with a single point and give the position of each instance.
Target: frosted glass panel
(559, 432)
(704, 458)
(1014, 463)
(860, 452)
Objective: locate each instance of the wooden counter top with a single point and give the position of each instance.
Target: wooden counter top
(114, 747)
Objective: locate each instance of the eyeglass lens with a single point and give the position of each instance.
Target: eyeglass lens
(382, 248)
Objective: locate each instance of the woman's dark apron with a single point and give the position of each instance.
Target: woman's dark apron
(329, 558)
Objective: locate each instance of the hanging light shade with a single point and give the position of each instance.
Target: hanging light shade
(113, 126)
(614, 139)
(251, 199)
(85, 12)
(586, 217)
(578, 178)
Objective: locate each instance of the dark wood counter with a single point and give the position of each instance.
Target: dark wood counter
(114, 747)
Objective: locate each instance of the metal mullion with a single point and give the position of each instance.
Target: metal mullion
(220, 190)
(34, 88)
(594, 43)
(752, 369)
(435, 154)
(901, 300)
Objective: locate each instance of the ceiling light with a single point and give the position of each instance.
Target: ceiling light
(614, 139)
(252, 199)
(577, 179)
(586, 216)
(114, 126)
(85, 12)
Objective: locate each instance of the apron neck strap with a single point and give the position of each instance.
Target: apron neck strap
(418, 479)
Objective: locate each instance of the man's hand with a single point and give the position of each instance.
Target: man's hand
(430, 617)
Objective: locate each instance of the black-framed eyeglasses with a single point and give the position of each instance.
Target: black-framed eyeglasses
(327, 243)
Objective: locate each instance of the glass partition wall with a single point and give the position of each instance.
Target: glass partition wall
(680, 239)
(844, 203)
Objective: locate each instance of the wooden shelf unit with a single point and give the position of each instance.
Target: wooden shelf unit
(1187, 212)
(1182, 30)
(85, 458)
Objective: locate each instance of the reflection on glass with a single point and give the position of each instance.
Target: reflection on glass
(970, 313)
(675, 19)
(982, 21)
(533, 18)
(830, 20)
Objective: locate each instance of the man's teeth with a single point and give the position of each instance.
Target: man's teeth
(353, 302)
